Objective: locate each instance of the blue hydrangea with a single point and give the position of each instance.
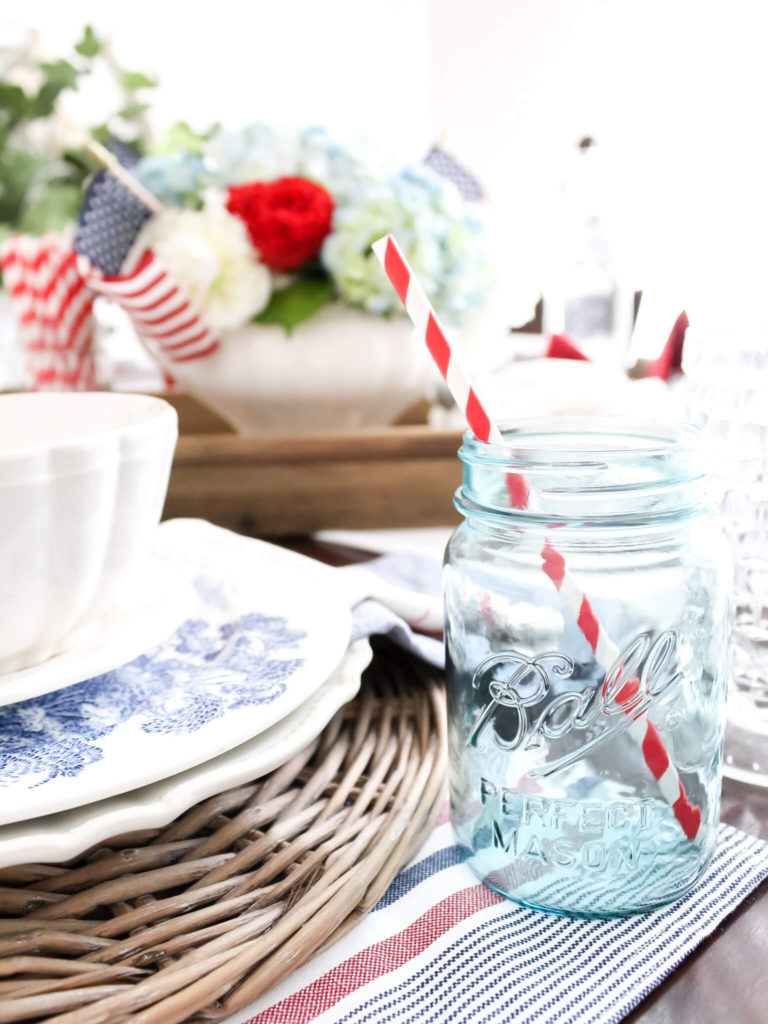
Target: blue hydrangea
(441, 236)
(346, 171)
(258, 152)
(173, 177)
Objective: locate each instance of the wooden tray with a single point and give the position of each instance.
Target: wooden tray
(401, 476)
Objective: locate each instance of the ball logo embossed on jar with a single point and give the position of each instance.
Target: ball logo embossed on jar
(645, 672)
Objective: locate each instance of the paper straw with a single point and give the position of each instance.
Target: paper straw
(426, 321)
(424, 318)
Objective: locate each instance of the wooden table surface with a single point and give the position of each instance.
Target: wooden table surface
(725, 980)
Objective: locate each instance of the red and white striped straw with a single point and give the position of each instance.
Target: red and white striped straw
(641, 729)
(426, 321)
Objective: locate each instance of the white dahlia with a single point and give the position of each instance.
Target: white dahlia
(209, 254)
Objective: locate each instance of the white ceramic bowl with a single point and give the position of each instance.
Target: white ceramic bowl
(339, 370)
(82, 484)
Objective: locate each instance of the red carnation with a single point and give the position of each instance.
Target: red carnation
(287, 219)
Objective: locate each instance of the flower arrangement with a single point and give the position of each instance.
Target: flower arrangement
(269, 225)
(43, 162)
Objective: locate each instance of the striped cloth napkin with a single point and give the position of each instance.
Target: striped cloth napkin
(441, 947)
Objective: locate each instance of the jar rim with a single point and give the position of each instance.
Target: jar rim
(648, 437)
(595, 470)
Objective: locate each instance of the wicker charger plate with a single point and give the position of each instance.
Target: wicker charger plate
(195, 921)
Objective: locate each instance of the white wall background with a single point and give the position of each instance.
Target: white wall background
(675, 90)
(291, 61)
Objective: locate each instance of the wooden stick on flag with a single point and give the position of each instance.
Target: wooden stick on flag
(110, 162)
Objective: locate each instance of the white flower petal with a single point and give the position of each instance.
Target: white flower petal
(210, 255)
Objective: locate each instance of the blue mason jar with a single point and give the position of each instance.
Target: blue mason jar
(586, 644)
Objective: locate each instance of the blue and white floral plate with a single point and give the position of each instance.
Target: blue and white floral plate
(265, 629)
(58, 837)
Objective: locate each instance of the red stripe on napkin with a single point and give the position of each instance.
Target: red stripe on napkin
(379, 959)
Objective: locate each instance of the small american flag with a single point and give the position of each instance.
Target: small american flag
(446, 166)
(161, 314)
(53, 308)
(110, 221)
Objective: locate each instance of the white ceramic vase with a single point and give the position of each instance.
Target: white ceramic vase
(339, 370)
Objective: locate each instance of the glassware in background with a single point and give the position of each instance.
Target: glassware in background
(587, 296)
(727, 385)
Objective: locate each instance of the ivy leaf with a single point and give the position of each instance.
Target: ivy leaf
(58, 206)
(101, 133)
(17, 170)
(180, 137)
(14, 107)
(191, 200)
(59, 75)
(136, 80)
(79, 160)
(296, 303)
(89, 45)
(132, 110)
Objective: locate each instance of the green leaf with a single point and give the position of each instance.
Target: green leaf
(80, 160)
(43, 103)
(61, 73)
(58, 206)
(136, 80)
(13, 100)
(180, 137)
(17, 172)
(14, 108)
(58, 76)
(296, 303)
(101, 133)
(132, 110)
(89, 45)
(191, 200)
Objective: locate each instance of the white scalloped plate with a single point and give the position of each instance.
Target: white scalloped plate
(58, 837)
(264, 630)
(147, 613)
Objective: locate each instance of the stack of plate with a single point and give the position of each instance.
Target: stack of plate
(227, 658)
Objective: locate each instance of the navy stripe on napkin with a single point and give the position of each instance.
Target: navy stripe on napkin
(523, 965)
(413, 876)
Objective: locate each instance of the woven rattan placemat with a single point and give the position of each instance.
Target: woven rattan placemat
(196, 920)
